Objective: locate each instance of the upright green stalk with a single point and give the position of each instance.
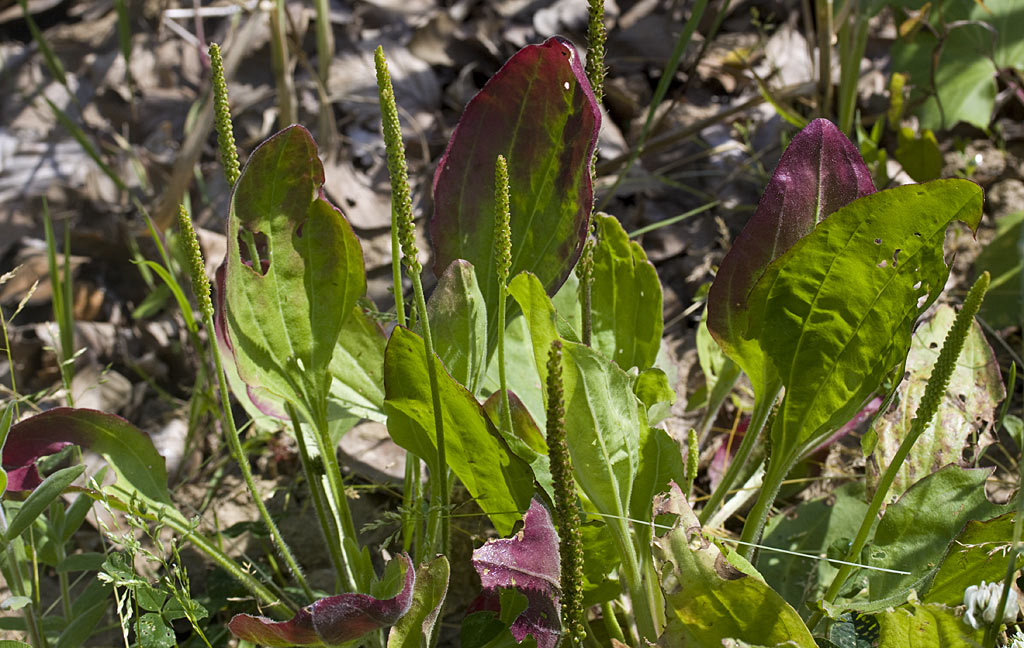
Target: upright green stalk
(279, 63)
(201, 288)
(324, 55)
(692, 461)
(503, 262)
(570, 543)
(439, 522)
(595, 69)
(853, 40)
(934, 391)
(63, 310)
(823, 9)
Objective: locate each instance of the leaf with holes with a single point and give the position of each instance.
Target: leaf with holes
(834, 314)
(820, 172)
(539, 112)
(284, 310)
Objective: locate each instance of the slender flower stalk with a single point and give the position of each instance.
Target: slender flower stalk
(438, 524)
(566, 512)
(595, 69)
(201, 288)
(503, 263)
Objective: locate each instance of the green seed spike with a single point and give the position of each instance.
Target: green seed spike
(596, 34)
(942, 373)
(225, 133)
(502, 228)
(401, 196)
(196, 266)
(692, 460)
(566, 512)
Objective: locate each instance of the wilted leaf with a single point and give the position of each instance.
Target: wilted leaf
(965, 415)
(329, 621)
(530, 564)
(708, 599)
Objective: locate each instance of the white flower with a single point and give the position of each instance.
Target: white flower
(983, 600)
(1017, 640)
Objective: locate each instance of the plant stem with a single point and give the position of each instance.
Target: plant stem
(852, 46)
(776, 471)
(315, 479)
(16, 581)
(762, 409)
(659, 94)
(324, 55)
(928, 406)
(279, 64)
(503, 263)
(643, 608)
(823, 9)
(201, 288)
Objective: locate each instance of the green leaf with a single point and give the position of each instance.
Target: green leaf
(417, 626)
(834, 314)
(11, 643)
(357, 388)
(82, 625)
(139, 467)
(283, 321)
(811, 528)
(526, 441)
(500, 482)
(708, 600)
(926, 626)
(86, 561)
(1004, 303)
(916, 531)
(529, 372)
(655, 392)
(919, 155)
(603, 421)
(661, 462)
(154, 633)
(539, 112)
(970, 400)
(457, 310)
(40, 499)
(979, 553)
(626, 298)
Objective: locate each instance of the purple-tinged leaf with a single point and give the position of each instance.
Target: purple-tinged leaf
(127, 449)
(539, 112)
(529, 563)
(330, 621)
(820, 172)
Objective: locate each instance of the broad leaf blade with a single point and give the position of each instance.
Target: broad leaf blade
(138, 465)
(834, 314)
(501, 482)
(626, 298)
(283, 323)
(820, 172)
(917, 530)
(979, 553)
(926, 626)
(540, 113)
